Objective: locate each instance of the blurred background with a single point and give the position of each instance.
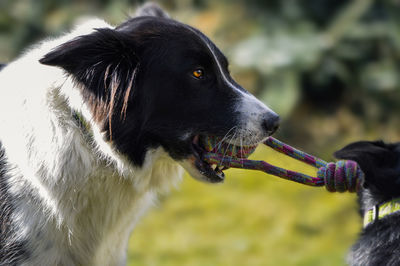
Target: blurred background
(328, 67)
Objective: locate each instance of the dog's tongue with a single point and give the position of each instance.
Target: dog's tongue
(217, 146)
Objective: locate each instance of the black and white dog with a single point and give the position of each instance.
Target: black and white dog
(379, 242)
(94, 124)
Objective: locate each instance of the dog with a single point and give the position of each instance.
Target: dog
(379, 242)
(96, 123)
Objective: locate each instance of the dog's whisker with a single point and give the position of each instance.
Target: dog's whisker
(233, 136)
(225, 137)
(241, 147)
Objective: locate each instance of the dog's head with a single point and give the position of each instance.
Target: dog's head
(380, 163)
(154, 82)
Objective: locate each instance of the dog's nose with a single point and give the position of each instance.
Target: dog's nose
(271, 123)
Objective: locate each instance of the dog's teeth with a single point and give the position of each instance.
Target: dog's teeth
(214, 166)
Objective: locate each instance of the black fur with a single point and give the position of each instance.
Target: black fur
(11, 252)
(165, 100)
(2, 66)
(379, 242)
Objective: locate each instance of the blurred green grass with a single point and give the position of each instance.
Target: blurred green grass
(251, 219)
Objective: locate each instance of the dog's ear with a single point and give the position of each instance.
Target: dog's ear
(379, 161)
(363, 151)
(98, 60)
(151, 9)
(101, 49)
(106, 63)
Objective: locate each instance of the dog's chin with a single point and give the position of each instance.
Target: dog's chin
(212, 173)
(198, 168)
(202, 171)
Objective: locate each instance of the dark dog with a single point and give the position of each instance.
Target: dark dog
(379, 242)
(94, 124)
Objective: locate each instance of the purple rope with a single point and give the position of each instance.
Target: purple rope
(340, 176)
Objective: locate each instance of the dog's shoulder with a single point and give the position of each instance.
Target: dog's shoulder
(378, 243)
(12, 251)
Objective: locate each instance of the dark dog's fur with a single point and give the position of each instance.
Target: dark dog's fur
(379, 242)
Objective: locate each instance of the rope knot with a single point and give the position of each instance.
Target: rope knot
(341, 176)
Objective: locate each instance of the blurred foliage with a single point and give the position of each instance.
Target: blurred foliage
(330, 68)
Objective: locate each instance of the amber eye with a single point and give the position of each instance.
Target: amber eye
(198, 73)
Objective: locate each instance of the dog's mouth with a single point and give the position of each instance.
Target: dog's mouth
(202, 145)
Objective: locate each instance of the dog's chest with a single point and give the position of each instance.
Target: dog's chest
(94, 226)
(98, 217)
(114, 205)
(108, 208)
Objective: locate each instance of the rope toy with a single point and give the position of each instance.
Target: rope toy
(336, 177)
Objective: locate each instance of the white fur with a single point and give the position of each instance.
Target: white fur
(77, 201)
(252, 113)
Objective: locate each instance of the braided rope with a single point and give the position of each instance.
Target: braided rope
(340, 176)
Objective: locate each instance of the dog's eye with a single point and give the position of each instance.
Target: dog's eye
(198, 73)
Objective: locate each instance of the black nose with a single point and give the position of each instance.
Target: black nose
(271, 123)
